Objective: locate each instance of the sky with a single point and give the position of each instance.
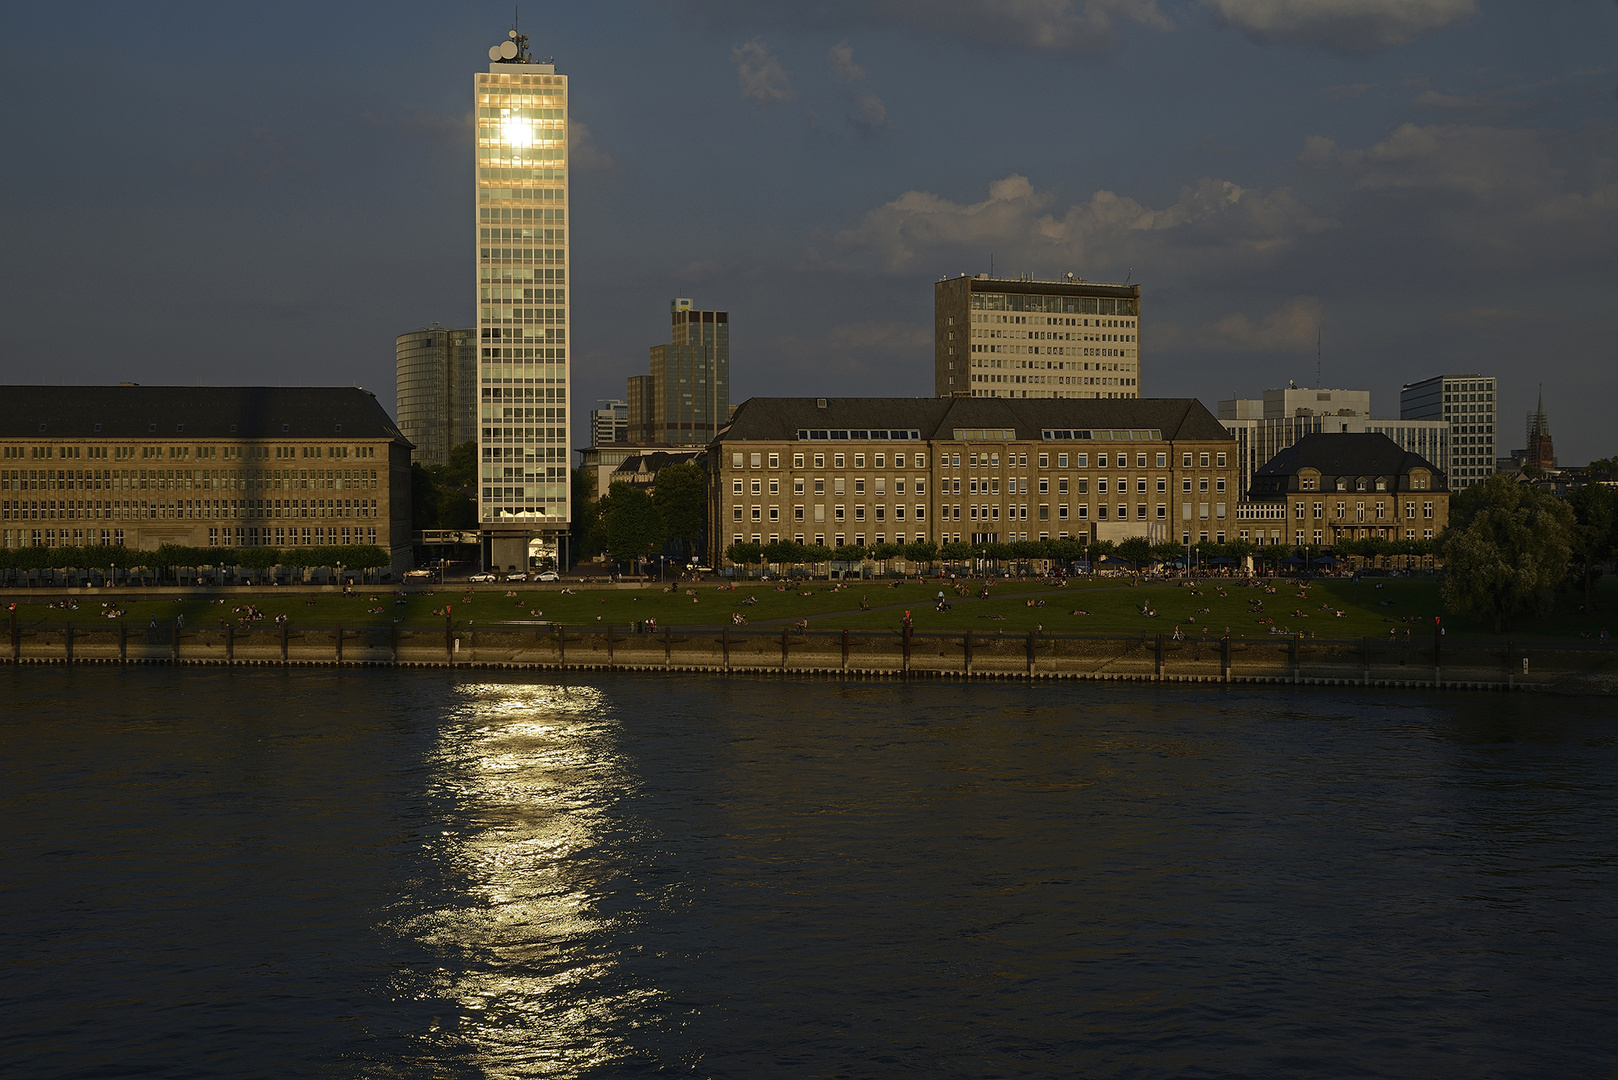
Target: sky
(269, 194)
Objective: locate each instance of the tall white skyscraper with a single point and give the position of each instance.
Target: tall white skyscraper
(523, 379)
(1467, 402)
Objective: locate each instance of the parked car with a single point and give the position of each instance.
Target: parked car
(418, 575)
(518, 576)
(549, 575)
(483, 577)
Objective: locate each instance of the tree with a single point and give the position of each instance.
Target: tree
(634, 530)
(1137, 549)
(1506, 550)
(681, 497)
(588, 534)
(1595, 533)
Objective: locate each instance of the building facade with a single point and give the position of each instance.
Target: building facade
(609, 425)
(1263, 427)
(995, 338)
(437, 390)
(685, 398)
(524, 385)
(868, 471)
(1336, 486)
(202, 466)
(1467, 402)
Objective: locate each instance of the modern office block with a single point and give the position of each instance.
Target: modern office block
(1467, 402)
(1263, 427)
(521, 110)
(685, 399)
(868, 471)
(437, 390)
(202, 466)
(994, 337)
(609, 425)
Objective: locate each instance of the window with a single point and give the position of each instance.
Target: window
(1044, 486)
(736, 486)
(1101, 461)
(757, 486)
(1162, 461)
(1221, 460)
(735, 461)
(1081, 461)
(820, 461)
(1044, 462)
(1140, 461)
(1219, 484)
(757, 460)
(797, 485)
(921, 461)
(1061, 486)
(1185, 485)
(797, 461)
(876, 461)
(775, 461)
(1186, 461)
(898, 461)
(859, 461)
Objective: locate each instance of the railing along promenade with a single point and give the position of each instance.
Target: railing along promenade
(971, 654)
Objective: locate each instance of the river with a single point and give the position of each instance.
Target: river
(383, 873)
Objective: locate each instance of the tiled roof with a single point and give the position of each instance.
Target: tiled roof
(779, 419)
(194, 412)
(1350, 455)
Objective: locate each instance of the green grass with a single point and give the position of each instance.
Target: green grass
(1114, 605)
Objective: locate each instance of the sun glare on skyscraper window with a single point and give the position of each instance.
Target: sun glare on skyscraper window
(516, 130)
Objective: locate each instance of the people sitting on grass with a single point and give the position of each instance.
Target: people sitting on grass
(1078, 611)
(737, 618)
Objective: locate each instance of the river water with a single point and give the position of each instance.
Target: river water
(358, 873)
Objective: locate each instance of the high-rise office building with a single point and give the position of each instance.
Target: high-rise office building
(685, 399)
(1263, 427)
(1035, 339)
(436, 385)
(1468, 403)
(609, 425)
(523, 372)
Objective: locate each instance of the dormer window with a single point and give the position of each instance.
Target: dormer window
(1381, 483)
(1360, 485)
(1342, 485)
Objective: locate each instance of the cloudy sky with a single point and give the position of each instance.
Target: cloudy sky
(270, 193)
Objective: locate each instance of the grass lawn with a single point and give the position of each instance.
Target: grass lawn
(1114, 607)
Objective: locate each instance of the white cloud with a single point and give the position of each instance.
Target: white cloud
(1290, 328)
(761, 75)
(843, 67)
(583, 152)
(868, 113)
(1349, 25)
(1492, 191)
(1038, 25)
(1214, 224)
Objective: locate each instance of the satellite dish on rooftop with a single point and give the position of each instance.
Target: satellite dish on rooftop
(512, 34)
(494, 52)
(508, 49)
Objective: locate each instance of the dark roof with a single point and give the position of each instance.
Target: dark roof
(194, 412)
(1350, 455)
(778, 419)
(658, 460)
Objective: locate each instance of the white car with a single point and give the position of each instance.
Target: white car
(518, 576)
(549, 575)
(418, 575)
(483, 577)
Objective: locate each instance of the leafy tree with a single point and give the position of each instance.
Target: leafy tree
(1595, 533)
(681, 497)
(589, 536)
(743, 554)
(849, 553)
(1137, 549)
(1603, 465)
(634, 529)
(956, 551)
(921, 551)
(1506, 550)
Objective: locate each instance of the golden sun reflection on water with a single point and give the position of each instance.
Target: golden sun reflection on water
(530, 778)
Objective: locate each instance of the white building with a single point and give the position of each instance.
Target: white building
(1263, 427)
(521, 113)
(1467, 402)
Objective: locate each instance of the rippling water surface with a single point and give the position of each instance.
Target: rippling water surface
(414, 874)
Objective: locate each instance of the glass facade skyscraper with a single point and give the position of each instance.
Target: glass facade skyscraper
(437, 388)
(523, 304)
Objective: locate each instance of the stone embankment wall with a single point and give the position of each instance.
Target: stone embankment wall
(978, 654)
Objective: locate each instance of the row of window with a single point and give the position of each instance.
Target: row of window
(120, 509)
(977, 512)
(1340, 509)
(176, 452)
(989, 459)
(185, 479)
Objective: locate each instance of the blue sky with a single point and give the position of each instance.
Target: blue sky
(270, 193)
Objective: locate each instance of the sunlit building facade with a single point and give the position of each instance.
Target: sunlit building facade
(1000, 338)
(523, 306)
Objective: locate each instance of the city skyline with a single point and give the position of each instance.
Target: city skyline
(1429, 188)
